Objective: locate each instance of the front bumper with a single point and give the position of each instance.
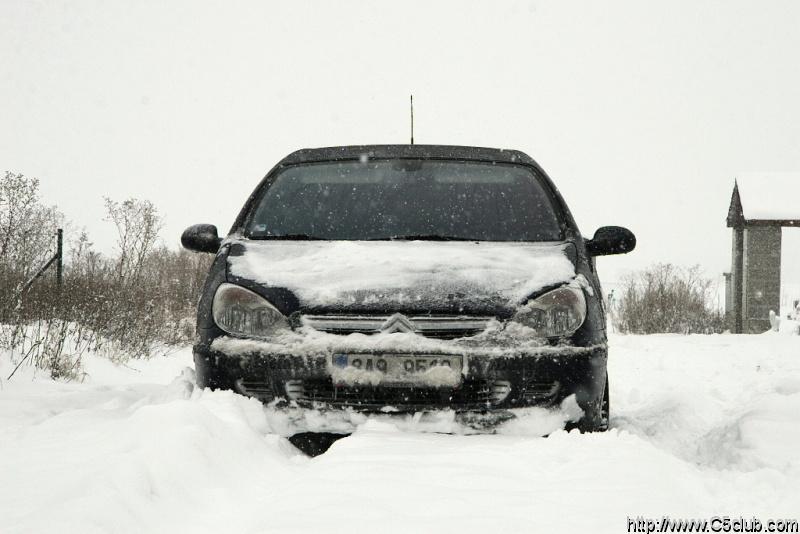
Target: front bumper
(489, 383)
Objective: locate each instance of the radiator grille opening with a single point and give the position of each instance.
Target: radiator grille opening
(469, 395)
(433, 326)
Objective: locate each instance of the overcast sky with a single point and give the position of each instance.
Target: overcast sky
(641, 112)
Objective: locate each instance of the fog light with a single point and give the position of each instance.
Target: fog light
(538, 392)
(254, 388)
(294, 389)
(499, 391)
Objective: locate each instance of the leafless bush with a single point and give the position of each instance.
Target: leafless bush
(26, 230)
(138, 224)
(667, 299)
(133, 304)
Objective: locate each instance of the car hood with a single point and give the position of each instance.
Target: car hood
(407, 276)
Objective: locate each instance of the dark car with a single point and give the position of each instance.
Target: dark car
(407, 278)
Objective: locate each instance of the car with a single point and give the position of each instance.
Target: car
(407, 278)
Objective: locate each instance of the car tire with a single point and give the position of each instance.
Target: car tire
(605, 409)
(595, 418)
(315, 443)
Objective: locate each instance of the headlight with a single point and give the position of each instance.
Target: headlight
(557, 313)
(240, 311)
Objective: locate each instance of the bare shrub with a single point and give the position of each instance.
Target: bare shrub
(138, 224)
(667, 299)
(26, 230)
(139, 302)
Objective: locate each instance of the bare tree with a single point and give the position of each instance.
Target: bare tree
(27, 227)
(138, 224)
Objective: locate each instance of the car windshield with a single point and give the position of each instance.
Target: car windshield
(405, 199)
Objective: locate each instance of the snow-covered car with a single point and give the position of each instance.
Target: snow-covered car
(407, 278)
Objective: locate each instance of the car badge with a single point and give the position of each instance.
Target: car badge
(397, 323)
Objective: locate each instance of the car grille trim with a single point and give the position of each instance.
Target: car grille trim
(448, 327)
(480, 395)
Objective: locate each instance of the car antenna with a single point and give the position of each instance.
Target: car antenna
(412, 119)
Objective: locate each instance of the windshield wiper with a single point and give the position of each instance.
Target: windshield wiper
(425, 237)
(291, 237)
(411, 237)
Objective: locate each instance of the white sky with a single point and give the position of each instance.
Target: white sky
(642, 112)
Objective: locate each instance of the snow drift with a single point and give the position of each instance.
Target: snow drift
(701, 426)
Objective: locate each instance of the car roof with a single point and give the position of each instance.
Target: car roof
(354, 152)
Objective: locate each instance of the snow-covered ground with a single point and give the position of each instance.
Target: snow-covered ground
(701, 426)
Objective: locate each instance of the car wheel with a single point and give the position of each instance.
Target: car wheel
(595, 418)
(315, 443)
(604, 410)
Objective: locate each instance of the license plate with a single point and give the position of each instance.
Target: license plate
(404, 369)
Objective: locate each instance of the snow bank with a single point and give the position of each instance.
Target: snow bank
(538, 422)
(737, 411)
(788, 326)
(144, 458)
(328, 272)
(701, 426)
(784, 325)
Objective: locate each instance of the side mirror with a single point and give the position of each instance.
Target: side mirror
(201, 238)
(611, 240)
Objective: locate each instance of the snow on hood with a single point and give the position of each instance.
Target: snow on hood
(322, 273)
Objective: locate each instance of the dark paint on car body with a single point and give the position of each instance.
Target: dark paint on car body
(533, 380)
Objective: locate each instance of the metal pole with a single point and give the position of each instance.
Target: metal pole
(412, 119)
(56, 258)
(39, 273)
(60, 256)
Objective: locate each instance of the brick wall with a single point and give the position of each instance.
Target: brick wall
(762, 276)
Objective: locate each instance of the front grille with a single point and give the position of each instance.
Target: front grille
(434, 326)
(476, 395)
(480, 394)
(471, 394)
